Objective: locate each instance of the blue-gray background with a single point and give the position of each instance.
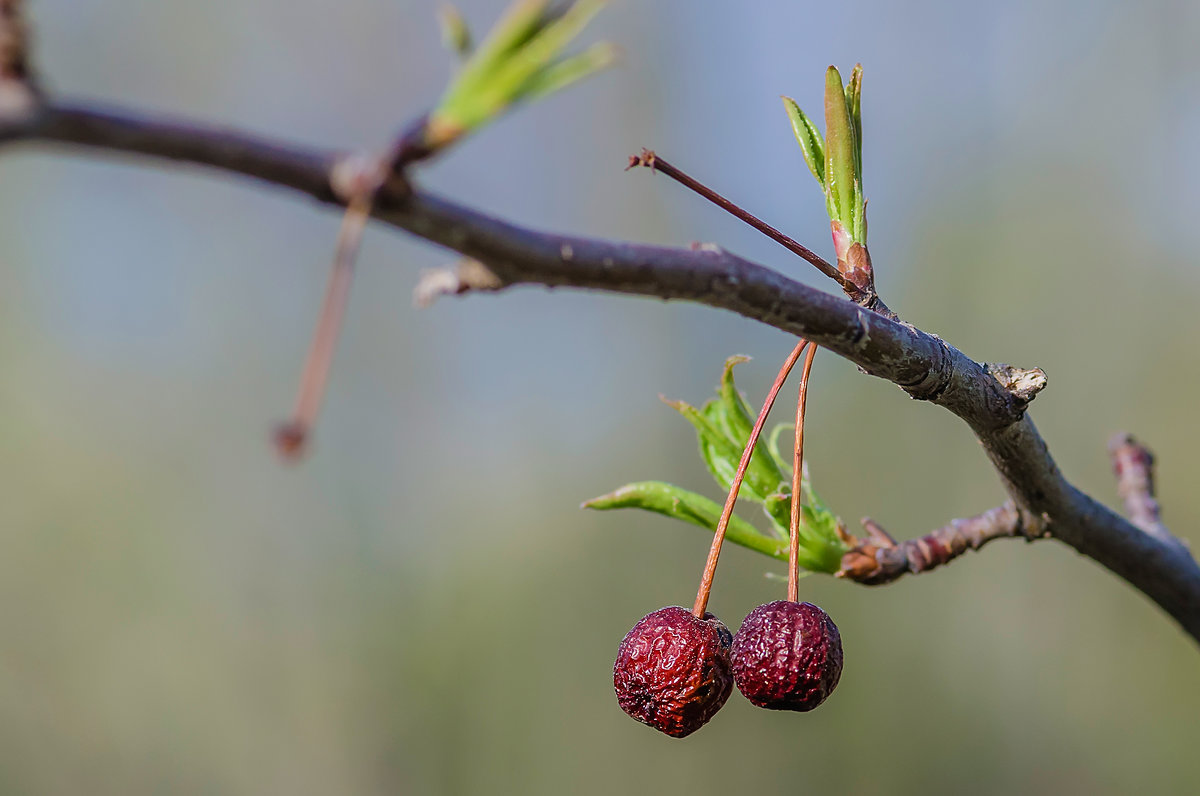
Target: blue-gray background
(420, 607)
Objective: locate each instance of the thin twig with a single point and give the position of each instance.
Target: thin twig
(655, 163)
(290, 438)
(361, 178)
(714, 552)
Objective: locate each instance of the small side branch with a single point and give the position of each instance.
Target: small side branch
(17, 93)
(1133, 465)
(880, 559)
(652, 161)
(13, 41)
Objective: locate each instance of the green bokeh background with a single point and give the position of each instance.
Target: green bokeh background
(420, 607)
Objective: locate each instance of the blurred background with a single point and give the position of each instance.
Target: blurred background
(420, 606)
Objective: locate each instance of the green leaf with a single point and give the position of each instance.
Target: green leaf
(817, 552)
(722, 453)
(569, 70)
(510, 80)
(779, 509)
(515, 28)
(821, 546)
(740, 422)
(819, 537)
(780, 577)
(854, 105)
(813, 553)
(809, 139)
(773, 447)
(839, 150)
(858, 209)
(672, 501)
(738, 418)
(721, 466)
(456, 36)
(518, 61)
(723, 425)
(810, 495)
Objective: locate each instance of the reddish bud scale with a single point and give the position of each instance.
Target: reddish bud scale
(787, 656)
(672, 670)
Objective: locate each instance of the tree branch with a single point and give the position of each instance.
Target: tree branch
(991, 400)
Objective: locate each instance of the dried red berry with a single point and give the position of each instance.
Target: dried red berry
(672, 670)
(787, 656)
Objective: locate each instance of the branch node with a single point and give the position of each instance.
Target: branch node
(936, 379)
(1022, 384)
(356, 175)
(454, 280)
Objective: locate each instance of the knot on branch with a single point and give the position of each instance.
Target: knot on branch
(936, 379)
(1022, 384)
(361, 175)
(880, 559)
(465, 275)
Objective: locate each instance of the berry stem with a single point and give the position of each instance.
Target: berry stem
(797, 480)
(714, 552)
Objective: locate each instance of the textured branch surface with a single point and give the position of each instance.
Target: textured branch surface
(991, 401)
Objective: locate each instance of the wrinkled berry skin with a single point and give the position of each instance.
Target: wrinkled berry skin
(673, 671)
(787, 656)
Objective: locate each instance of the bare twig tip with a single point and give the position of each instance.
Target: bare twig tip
(646, 158)
(291, 440)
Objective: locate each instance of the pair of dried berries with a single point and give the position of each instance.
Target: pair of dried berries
(675, 671)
